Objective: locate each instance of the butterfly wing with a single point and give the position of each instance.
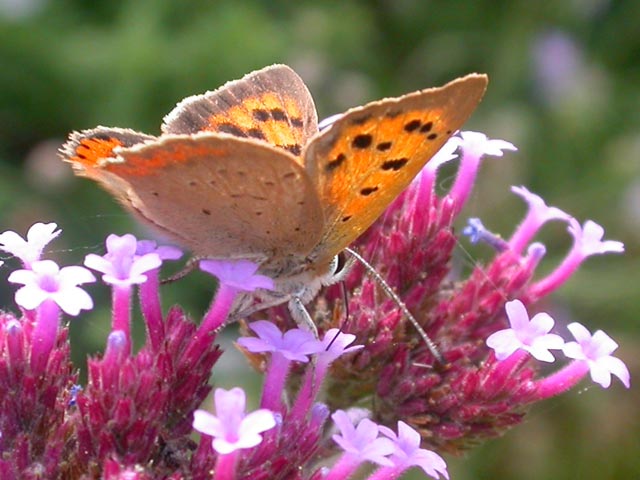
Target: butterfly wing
(271, 105)
(362, 162)
(219, 195)
(88, 149)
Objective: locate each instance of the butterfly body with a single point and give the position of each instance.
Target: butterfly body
(244, 173)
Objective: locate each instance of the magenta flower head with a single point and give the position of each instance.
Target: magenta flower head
(29, 250)
(478, 388)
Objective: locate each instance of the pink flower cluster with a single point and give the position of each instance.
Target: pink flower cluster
(136, 415)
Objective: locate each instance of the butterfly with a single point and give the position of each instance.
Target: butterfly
(243, 172)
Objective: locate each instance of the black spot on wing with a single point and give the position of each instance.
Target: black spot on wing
(278, 114)
(256, 133)
(412, 126)
(362, 141)
(335, 163)
(366, 191)
(261, 115)
(394, 164)
(231, 129)
(426, 127)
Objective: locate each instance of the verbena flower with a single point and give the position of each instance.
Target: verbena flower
(328, 405)
(29, 250)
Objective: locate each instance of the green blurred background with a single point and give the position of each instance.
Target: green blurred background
(565, 88)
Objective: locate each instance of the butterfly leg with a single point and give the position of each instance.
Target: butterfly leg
(301, 315)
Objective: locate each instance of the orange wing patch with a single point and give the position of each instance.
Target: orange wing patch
(272, 105)
(90, 149)
(371, 154)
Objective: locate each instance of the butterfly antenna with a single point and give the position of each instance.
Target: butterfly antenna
(345, 298)
(394, 296)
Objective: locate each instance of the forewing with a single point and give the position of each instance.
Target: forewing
(362, 162)
(271, 105)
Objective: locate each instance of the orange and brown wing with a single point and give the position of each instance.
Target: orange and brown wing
(271, 105)
(218, 195)
(370, 155)
(89, 149)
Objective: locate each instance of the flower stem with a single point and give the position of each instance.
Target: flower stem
(562, 380)
(122, 313)
(44, 335)
(151, 308)
(225, 466)
(219, 310)
(274, 382)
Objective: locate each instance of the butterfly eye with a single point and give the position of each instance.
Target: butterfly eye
(338, 269)
(339, 263)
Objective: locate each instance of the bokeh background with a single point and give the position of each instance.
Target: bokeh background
(565, 88)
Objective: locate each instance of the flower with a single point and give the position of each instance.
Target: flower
(530, 335)
(46, 281)
(165, 252)
(474, 146)
(239, 274)
(120, 265)
(588, 239)
(296, 344)
(29, 250)
(477, 144)
(408, 453)
(539, 214)
(596, 350)
(362, 441)
(231, 428)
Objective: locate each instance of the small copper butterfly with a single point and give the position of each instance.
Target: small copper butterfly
(243, 172)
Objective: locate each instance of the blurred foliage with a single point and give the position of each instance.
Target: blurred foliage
(565, 88)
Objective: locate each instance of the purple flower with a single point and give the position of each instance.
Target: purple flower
(335, 343)
(596, 350)
(588, 239)
(446, 153)
(29, 250)
(477, 232)
(477, 144)
(295, 344)
(539, 213)
(231, 428)
(474, 146)
(239, 274)
(408, 452)
(362, 441)
(120, 265)
(46, 281)
(530, 335)
(165, 252)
